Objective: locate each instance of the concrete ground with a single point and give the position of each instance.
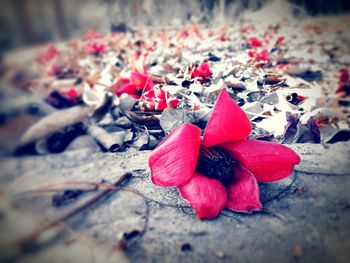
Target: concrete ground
(306, 217)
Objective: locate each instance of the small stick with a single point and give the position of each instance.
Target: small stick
(37, 232)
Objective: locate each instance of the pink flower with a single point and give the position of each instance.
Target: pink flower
(222, 168)
(185, 33)
(343, 75)
(95, 48)
(344, 83)
(254, 42)
(251, 53)
(158, 99)
(48, 55)
(197, 32)
(137, 83)
(343, 89)
(71, 94)
(280, 40)
(263, 55)
(202, 71)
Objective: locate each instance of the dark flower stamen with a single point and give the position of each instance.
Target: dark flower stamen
(215, 163)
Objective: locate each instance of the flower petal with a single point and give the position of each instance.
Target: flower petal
(138, 78)
(206, 196)
(129, 89)
(254, 42)
(268, 161)
(174, 160)
(227, 123)
(202, 71)
(243, 194)
(141, 81)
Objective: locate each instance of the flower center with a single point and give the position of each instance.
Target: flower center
(215, 163)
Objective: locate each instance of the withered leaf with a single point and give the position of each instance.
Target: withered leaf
(172, 118)
(54, 122)
(142, 118)
(111, 142)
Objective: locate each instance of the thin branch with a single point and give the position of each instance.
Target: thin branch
(37, 232)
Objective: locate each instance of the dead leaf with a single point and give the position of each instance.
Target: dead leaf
(112, 142)
(172, 118)
(54, 122)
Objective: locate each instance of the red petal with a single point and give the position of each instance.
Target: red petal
(205, 70)
(202, 71)
(119, 83)
(161, 105)
(195, 73)
(227, 123)
(268, 161)
(243, 194)
(173, 102)
(263, 55)
(254, 42)
(174, 160)
(206, 196)
(72, 94)
(343, 75)
(139, 79)
(251, 54)
(150, 84)
(279, 40)
(130, 89)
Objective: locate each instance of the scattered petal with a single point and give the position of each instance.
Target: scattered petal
(141, 81)
(130, 89)
(254, 42)
(202, 71)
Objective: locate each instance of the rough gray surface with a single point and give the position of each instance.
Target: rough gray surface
(306, 216)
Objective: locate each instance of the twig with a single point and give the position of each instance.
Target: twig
(134, 191)
(231, 214)
(100, 185)
(270, 212)
(37, 232)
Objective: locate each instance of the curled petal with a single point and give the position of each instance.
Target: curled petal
(119, 83)
(243, 193)
(138, 78)
(268, 161)
(129, 89)
(206, 196)
(174, 160)
(141, 81)
(227, 123)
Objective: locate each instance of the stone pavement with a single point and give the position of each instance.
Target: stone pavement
(306, 217)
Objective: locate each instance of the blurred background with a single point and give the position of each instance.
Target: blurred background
(31, 22)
